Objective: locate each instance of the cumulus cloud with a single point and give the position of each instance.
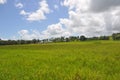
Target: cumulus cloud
(27, 35)
(103, 5)
(56, 30)
(92, 17)
(19, 5)
(3, 1)
(85, 17)
(39, 14)
(23, 12)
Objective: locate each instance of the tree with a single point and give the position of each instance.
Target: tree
(62, 39)
(34, 41)
(116, 36)
(67, 40)
(83, 38)
(74, 38)
(22, 41)
(104, 38)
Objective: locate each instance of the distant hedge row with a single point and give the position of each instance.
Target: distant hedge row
(115, 36)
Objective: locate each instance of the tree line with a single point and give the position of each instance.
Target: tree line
(114, 36)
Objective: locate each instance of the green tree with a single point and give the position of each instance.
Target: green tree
(83, 38)
(116, 36)
(104, 38)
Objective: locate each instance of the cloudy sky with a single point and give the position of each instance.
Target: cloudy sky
(29, 19)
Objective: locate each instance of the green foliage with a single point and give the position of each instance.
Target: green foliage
(83, 38)
(104, 38)
(116, 36)
(90, 60)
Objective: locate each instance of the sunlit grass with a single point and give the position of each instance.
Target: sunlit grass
(93, 60)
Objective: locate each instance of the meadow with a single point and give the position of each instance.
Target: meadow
(93, 60)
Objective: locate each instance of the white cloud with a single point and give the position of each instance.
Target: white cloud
(26, 35)
(22, 12)
(44, 6)
(19, 5)
(92, 17)
(3, 1)
(36, 16)
(56, 30)
(23, 32)
(82, 5)
(33, 34)
(3, 38)
(39, 14)
(86, 17)
(56, 6)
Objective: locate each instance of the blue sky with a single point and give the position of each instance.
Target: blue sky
(12, 21)
(29, 19)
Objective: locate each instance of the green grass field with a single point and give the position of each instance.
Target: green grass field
(95, 60)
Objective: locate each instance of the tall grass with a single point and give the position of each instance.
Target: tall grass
(95, 60)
